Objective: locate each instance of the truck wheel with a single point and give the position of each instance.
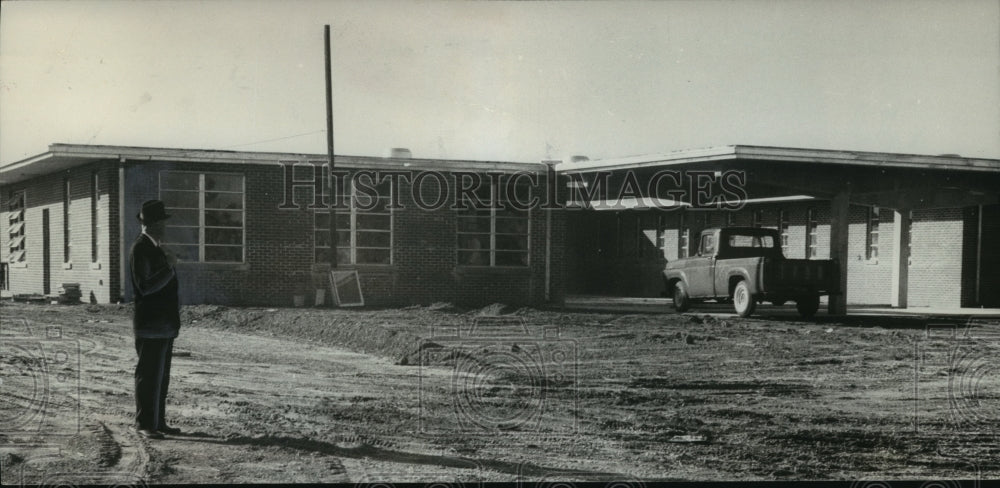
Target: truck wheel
(807, 305)
(682, 302)
(743, 301)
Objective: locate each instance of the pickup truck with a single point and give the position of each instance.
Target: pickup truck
(745, 265)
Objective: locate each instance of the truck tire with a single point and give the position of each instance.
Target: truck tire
(682, 302)
(807, 305)
(743, 301)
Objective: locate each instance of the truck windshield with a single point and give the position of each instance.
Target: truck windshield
(745, 240)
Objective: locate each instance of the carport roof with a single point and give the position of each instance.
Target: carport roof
(948, 162)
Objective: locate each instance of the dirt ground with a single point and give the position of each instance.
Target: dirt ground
(436, 393)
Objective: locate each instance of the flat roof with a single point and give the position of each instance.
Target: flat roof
(61, 157)
(785, 154)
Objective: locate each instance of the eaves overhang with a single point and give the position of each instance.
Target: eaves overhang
(741, 153)
(61, 157)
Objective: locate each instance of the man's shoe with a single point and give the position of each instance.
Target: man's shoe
(149, 433)
(169, 430)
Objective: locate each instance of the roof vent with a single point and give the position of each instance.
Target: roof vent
(578, 159)
(399, 153)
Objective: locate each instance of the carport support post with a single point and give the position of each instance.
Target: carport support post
(839, 206)
(901, 266)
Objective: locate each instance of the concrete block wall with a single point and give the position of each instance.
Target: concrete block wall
(935, 275)
(869, 280)
(97, 277)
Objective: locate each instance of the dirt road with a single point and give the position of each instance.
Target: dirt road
(438, 394)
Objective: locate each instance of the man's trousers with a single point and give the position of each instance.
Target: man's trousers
(152, 377)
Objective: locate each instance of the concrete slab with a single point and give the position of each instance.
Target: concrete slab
(665, 305)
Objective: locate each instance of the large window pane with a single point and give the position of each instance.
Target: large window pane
(474, 258)
(509, 258)
(175, 180)
(232, 201)
(182, 217)
(474, 242)
(373, 256)
(179, 199)
(183, 253)
(224, 218)
(323, 238)
(181, 235)
(321, 220)
(223, 182)
(228, 254)
(323, 255)
(512, 242)
(343, 255)
(473, 224)
(512, 226)
(373, 239)
(373, 221)
(223, 236)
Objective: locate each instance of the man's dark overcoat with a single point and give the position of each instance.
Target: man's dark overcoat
(154, 285)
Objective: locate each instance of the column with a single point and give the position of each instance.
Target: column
(839, 206)
(901, 262)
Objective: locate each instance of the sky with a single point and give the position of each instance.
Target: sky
(502, 81)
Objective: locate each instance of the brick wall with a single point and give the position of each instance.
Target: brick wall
(47, 193)
(280, 242)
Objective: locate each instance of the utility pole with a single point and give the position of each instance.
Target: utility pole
(334, 237)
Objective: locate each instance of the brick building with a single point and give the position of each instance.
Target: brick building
(254, 228)
(250, 228)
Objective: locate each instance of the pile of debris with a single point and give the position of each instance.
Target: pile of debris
(70, 293)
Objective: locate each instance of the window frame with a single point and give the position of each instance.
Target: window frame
(352, 213)
(783, 230)
(95, 225)
(495, 205)
(812, 233)
(201, 214)
(67, 220)
(872, 225)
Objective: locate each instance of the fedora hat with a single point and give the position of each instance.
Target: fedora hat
(152, 211)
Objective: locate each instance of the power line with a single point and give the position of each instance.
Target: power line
(276, 139)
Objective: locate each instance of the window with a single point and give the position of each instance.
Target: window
(812, 228)
(15, 229)
(67, 228)
(909, 238)
(661, 234)
(707, 245)
(871, 240)
(746, 240)
(683, 240)
(208, 216)
(490, 231)
(95, 226)
(783, 229)
(364, 225)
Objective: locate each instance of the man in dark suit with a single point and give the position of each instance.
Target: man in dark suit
(156, 321)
